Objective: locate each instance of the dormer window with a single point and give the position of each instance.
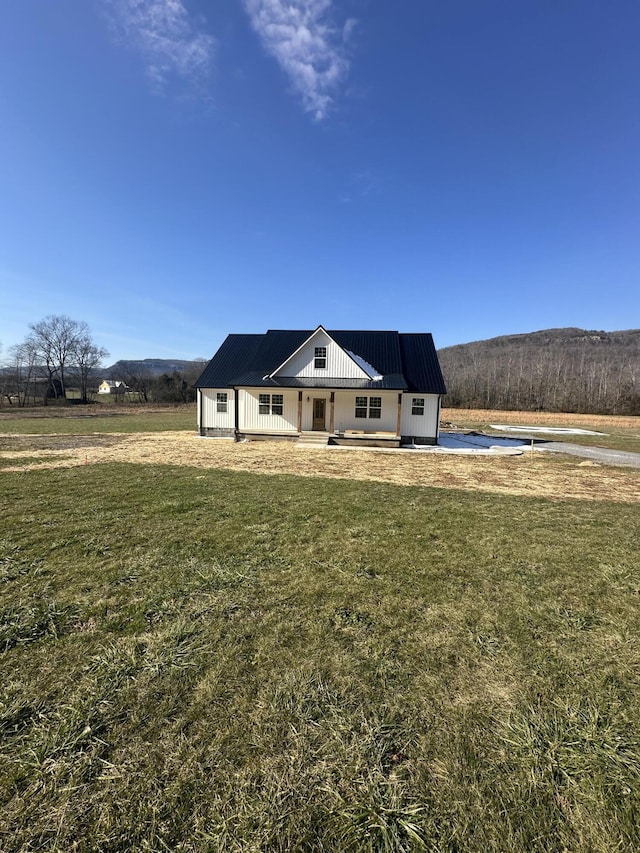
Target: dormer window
(320, 358)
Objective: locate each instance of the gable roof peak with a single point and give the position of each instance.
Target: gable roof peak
(298, 348)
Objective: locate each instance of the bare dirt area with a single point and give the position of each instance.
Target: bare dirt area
(531, 474)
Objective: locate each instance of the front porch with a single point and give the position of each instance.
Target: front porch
(365, 438)
(338, 415)
(321, 438)
(318, 417)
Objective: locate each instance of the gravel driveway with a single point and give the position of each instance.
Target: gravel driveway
(601, 455)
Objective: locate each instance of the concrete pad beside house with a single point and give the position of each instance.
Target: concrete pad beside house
(545, 429)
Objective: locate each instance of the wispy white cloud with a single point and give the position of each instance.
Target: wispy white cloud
(171, 42)
(361, 185)
(312, 51)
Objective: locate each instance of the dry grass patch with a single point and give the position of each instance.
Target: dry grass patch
(529, 474)
(600, 423)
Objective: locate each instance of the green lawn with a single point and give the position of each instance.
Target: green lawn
(70, 422)
(214, 661)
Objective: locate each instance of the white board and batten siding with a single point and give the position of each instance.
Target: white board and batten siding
(345, 411)
(251, 419)
(339, 363)
(425, 425)
(211, 408)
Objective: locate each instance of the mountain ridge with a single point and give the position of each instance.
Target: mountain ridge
(151, 366)
(563, 369)
(560, 334)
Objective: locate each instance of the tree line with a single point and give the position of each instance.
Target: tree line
(59, 360)
(145, 385)
(558, 370)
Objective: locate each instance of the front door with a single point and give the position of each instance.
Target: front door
(319, 421)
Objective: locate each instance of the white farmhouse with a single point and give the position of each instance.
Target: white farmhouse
(109, 386)
(345, 387)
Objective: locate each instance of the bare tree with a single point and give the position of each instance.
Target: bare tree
(86, 357)
(138, 378)
(56, 348)
(55, 339)
(23, 374)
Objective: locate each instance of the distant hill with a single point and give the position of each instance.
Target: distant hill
(570, 369)
(148, 367)
(151, 367)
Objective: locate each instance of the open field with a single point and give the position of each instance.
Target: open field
(87, 420)
(208, 646)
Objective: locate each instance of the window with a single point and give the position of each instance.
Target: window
(369, 407)
(320, 359)
(417, 406)
(270, 404)
(361, 407)
(221, 401)
(264, 402)
(277, 402)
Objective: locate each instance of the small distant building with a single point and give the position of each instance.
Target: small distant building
(112, 386)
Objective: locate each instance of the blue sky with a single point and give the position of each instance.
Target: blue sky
(175, 170)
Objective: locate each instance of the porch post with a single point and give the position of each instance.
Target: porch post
(299, 411)
(332, 404)
(399, 415)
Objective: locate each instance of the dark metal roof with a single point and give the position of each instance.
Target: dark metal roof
(380, 349)
(405, 361)
(232, 359)
(421, 365)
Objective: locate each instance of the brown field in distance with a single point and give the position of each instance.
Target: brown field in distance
(600, 423)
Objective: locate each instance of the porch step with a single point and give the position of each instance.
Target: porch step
(313, 439)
